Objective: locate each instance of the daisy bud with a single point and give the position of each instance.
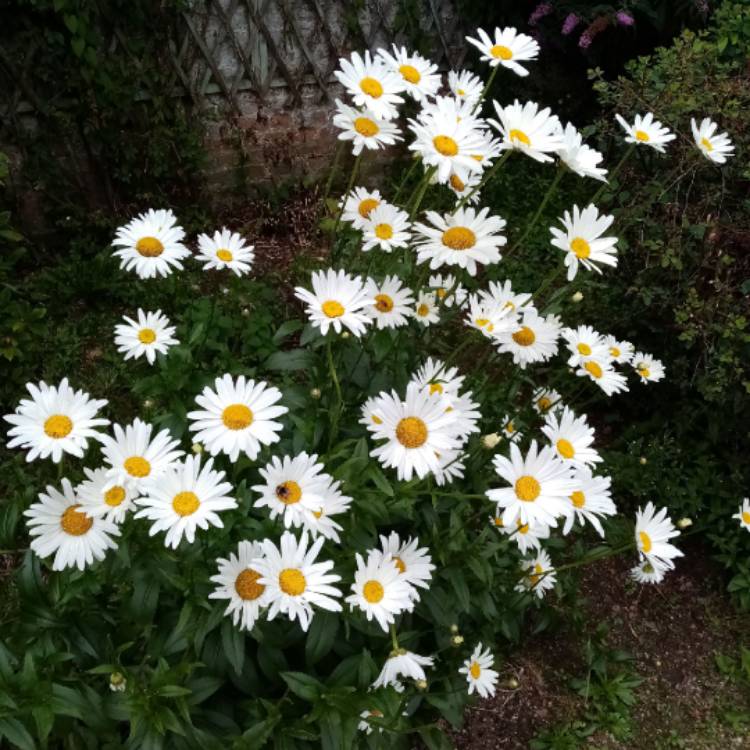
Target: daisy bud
(117, 682)
(315, 393)
(148, 404)
(684, 523)
(457, 640)
(512, 683)
(196, 448)
(454, 628)
(224, 290)
(577, 297)
(245, 312)
(421, 684)
(345, 335)
(643, 460)
(491, 440)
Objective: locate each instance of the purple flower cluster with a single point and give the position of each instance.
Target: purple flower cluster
(624, 18)
(571, 21)
(541, 10)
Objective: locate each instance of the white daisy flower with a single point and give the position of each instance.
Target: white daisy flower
(534, 340)
(386, 228)
(184, 498)
(541, 485)
(504, 299)
(649, 571)
(465, 413)
(526, 128)
(58, 523)
(465, 86)
(648, 368)
(510, 429)
(539, 576)
(379, 590)
(528, 536)
(578, 157)
(320, 520)
(652, 534)
(56, 419)
(591, 498)
(337, 300)
(151, 244)
(546, 400)
(508, 48)
(147, 336)
(427, 310)
(743, 516)
(621, 352)
(582, 240)
(370, 416)
(99, 497)
(294, 580)
(365, 725)
(584, 343)
(414, 431)
(463, 188)
(434, 377)
(646, 130)
(486, 317)
(420, 77)
(603, 374)
(448, 291)
(372, 84)
(572, 438)
(225, 250)
(450, 467)
(403, 663)
(364, 128)
(135, 458)
(714, 146)
(237, 417)
(479, 673)
(393, 305)
(463, 238)
(237, 581)
(292, 487)
(413, 562)
(359, 204)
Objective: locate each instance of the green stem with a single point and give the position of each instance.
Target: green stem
(352, 177)
(421, 190)
(487, 177)
(394, 637)
(332, 174)
(408, 174)
(613, 173)
(335, 413)
(486, 89)
(551, 277)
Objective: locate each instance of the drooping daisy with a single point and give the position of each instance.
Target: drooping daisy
(365, 724)
(621, 352)
(603, 374)
(534, 340)
(540, 576)
(135, 458)
(584, 343)
(320, 521)
(743, 516)
(56, 419)
(540, 486)
(465, 86)
(647, 367)
(582, 240)
(237, 417)
(379, 590)
(359, 204)
(364, 128)
(578, 157)
(184, 498)
(528, 536)
(426, 311)
(403, 663)
(414, 431)
(479, 673)
(292, 486)
(645, 130)
(151, 244)
(372, 83)
(147, 336)
(420, 77)
(450, 466)
(652, 534)
(545, 400)
(502, 297)
(434, 377)
(528, 129)
(510, 429)
(237, 581)
(295, 581)
(488, 318)
(393, 303)
(447, 289)
(413, 562)
(225, 250)
(337, 300)
(649, 571)
(508, 48)
(99, 497)
(463, 238)
(714, 146)
(465, 412)
(58, 523)
(386, 228)
(591, 498)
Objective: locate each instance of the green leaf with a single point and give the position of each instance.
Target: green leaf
(294, 359)
(16, 732)
(173, 691)
(320, 638)
(286, 329)
(435, 738)
(303, 685)
(202, 688)
(233, 642)
(379, 479)
(78, 44)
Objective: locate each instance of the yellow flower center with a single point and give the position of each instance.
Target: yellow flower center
(149, 247)
(114, 496)
(522, 528)
(137, 466)
(524, 337)
(544, 403)
(332, 309)
(58, 426)
(371, 87)
(367, 206)
(642, 136)
(383, 303)
(224, 254)
(147, 335)
(247, 586)
(584, 349)
(475, 670)
(565, 448)
(185, 503)
(498, 521)
(383, 231)
(482, 322)
(707, 144)
(614, 352)
(518, 136)
(400, 564)
(500, 52)
(289, 492)
(593, 368)
(237, 417)
(410, 73)
(536, 575)
(578, 499)
(580, 248)
(645, 541)
(456, 183)
(75, 522)
(411, 432)
(527, 488)
(745, 517)
(445, 145)
(460, 92)
(459, 238)
(643, 371)
(436, 388)
(366, 127)
(510, 428)
(292, 581)
(376, 419)
(373, 591)
(423, 310)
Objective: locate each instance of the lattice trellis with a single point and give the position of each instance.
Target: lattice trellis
(267, 52)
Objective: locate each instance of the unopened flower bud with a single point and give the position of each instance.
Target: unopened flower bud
(224, 290)
(512, 683)
(577, 297)
(684, 523)
(491, 440)
(148, 404)
(117, 682)
(421, 684)
(245, 312)
(345, 335)
(643, 460)
(315, 393)
(454, 628)
(196, 448)
(457, 640)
